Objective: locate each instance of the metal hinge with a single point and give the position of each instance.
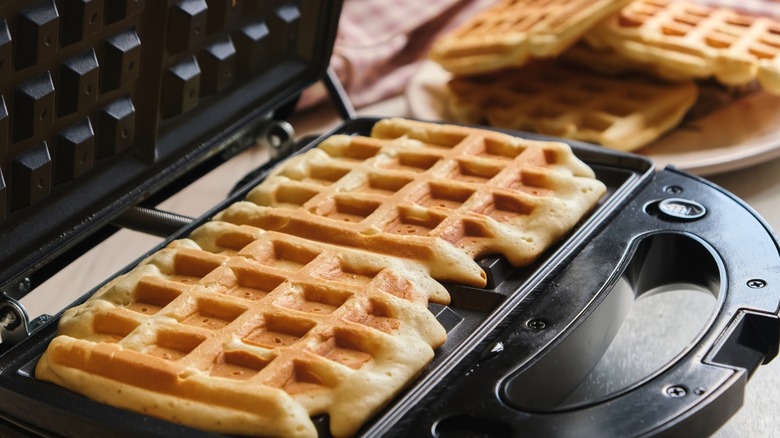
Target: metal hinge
(278, 136)
(15, 325)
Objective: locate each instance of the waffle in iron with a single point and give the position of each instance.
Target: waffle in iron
(622, 113)
(443, 195)
(515, 31)
(696, 40)
(244, 330)
(252, 333)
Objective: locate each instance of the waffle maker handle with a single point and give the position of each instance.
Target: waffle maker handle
(677, 229)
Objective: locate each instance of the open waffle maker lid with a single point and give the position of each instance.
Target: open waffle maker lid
(174, 84)
(104, 104)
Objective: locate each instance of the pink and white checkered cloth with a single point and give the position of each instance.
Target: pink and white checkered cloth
(381, 43)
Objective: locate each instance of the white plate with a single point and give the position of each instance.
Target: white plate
(741, 134)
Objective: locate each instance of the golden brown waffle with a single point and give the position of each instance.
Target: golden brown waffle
(250, 332)
(622, 113)
(606, 61)
(695, 40)
(440, 195)
(514, 31)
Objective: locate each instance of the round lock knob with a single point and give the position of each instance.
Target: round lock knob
(678, 209)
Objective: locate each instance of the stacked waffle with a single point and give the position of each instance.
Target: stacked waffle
(546, 66)
(310, 297)
(686, 39)
(513, 32)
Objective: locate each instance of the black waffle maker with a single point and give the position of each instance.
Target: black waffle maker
(108, 107)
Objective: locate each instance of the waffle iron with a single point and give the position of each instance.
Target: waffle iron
(108, 108)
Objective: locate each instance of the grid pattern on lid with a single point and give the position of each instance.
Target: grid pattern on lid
(700, 41)
(514, 31)
(273, 322)
(623, 113)
(439, 194)
(64, 70)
